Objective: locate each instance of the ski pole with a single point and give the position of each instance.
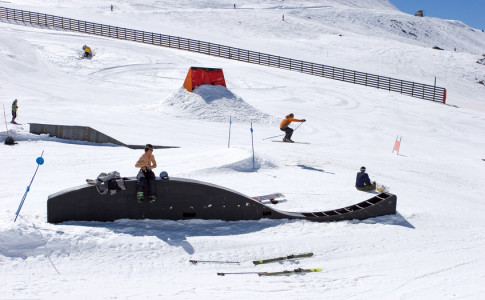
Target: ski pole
(213, 261)
(298, 126)
(39, 162)
(273, 136)
(5, 116)
(237, 273)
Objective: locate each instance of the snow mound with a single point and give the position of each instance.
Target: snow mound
(212, 103)
(244, 165)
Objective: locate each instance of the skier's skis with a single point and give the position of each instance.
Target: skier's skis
(286, 272)
(213, 261)
(292, 256)
(291, 142)
(289, 272)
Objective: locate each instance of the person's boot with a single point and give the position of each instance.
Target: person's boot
(140, 196)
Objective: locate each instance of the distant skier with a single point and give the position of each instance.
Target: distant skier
(14, 111)
(363, 183)
(284, 126)
(87, 52)
(146, 163)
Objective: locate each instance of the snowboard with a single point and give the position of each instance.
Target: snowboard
(382, 188)
(274, 198)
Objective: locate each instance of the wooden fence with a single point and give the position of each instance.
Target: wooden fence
(414, 89)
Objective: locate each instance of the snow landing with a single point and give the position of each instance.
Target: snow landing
(212, 103)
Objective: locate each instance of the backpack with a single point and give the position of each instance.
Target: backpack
(9, 141)
(111, 182)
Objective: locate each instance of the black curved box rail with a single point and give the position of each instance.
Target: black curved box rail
(179, 199)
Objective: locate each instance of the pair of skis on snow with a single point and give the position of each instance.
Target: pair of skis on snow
(266, 261)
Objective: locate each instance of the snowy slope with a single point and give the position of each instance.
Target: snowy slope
(433, 248)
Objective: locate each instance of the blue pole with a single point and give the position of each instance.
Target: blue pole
(230, 123)
(39, 162)
(252, 142)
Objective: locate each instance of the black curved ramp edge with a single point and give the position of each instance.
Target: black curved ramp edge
(180, 198)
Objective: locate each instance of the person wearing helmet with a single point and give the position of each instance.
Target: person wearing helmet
(284, 126)
(363, 183)
(146, 177)
(87, 52)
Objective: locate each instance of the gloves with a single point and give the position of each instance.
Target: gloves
(303, 120)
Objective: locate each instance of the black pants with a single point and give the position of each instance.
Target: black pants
(144, 177)
(288, 131)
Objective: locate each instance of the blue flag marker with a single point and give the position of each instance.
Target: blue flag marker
(39, 161)
(252, 142)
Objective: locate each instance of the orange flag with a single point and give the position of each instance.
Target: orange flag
(397, 144)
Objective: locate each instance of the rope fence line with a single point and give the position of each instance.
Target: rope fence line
(413, 89)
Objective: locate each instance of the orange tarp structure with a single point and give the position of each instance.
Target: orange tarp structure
(199, 76)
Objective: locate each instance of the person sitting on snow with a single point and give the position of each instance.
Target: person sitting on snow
(363, 183)
(87, 52)
(146, 163)
(284, 126)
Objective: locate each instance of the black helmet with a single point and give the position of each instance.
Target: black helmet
(362, 168)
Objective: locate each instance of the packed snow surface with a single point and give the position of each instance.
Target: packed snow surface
(431, 249)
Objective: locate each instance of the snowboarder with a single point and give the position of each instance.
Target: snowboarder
(87, 52)
(146, 163)
(284, 126)
(363, 183)
(14, 111)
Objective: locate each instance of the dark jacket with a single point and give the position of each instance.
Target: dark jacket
(362, 179)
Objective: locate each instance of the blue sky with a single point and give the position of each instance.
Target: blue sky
(470, 12)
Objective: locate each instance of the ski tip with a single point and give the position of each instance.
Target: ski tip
(257, 262)
(193, 261)
(221, 274)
